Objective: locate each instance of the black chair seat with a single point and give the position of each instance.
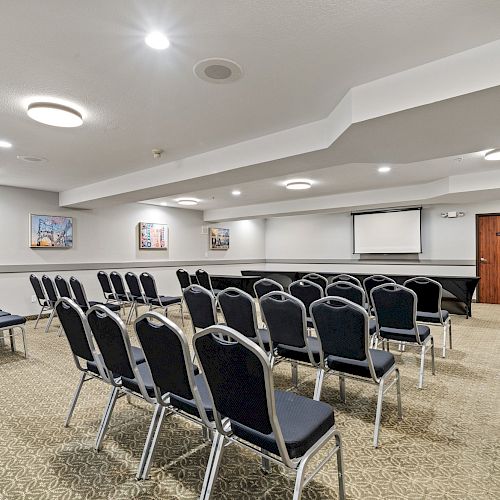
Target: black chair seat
(122, 296)
(131, 383)
(303, 422)
(136, 352)
(165, 301)
(188, 405)
(383, 361)
(428, 317)
(11, 320)
(300, 353)
(266, 338)
(4, 313)
(405, 335)
(110, 306)
(137, 298)
(372, 325)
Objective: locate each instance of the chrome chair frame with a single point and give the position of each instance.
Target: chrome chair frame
(318, 277)
(267, 280)
(44, 302)
(134, 299)
(11, 335)
(202, 289)
(52, 302)
(117, 299)
(224, 437)
(345, 277)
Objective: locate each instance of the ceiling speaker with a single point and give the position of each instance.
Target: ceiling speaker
(216, 70)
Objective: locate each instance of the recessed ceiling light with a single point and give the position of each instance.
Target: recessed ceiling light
(492, 155)
(5, 144)
(157, 40)
(236, 192)
(56, 115)
(384, 170)
(187, 201)
(298, 184)
(163, 203)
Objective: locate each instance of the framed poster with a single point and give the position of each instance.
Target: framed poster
(218, 238)
(153, 236)
(51, 231)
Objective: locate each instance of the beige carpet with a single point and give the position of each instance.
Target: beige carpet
(447, 445)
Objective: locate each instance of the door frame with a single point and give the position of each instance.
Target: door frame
(478, 216)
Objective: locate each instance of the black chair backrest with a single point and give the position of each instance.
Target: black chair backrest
(235, 374)
(118, 285)
(306, 291)
(285, 318)
(203, 279)
(50, 288)
(372, 281)
(74, 323)
(133, 284)
(109, 331)
(345, 277)
(79, 293)
(201, 305)
(183, 277)
(37, 287)
(395, 306)
(239, 313)
(266, 285)
(62, 287)
(348, 291)
(429, 293)
(167, 354)
(149, 286)
(105, 283)
(316, 278)
(342, 327)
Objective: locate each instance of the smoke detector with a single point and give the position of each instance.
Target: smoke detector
(218, 70)
(157, 153)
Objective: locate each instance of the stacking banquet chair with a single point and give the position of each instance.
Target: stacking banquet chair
(430, 293)
(266, 285)
(201, 306)
(52, 297)
(345, 277)
(184, 279)
(239, 311)
(307, 292)
(342, 327)
(285, 317)
(154, 300)
(63, 288)
(396, 313)
(282, 427)
(120, 294)
(354, 293)
(135, 294)
(106, 286)
(316, 278)
(204, 280)
(81, 297)
(371, 282)
(9, 323)
(41, 297)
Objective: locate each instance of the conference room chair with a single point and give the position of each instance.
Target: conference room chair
(51, 294)
(183, 278)
(155, 300)
(239, 311)
(41, 297)
(307, 292)
(135, 294)
(280, 427)
(177, 385)
(345, 277)
(106, 286)
(316, 278)
(395, 309)
(63, 288)
(205, 281)
(286, 320)
(13, 325)
(81, 297)
(343, 329)
(266, 285)
(371, 282)
(120, 294)
(429, 309)
(201, 305)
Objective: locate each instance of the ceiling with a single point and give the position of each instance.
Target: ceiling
(298, 61)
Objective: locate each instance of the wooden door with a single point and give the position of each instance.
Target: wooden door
(488, 258)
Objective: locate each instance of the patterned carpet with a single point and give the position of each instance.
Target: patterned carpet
(446, 446)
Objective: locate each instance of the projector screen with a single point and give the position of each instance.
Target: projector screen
(387, 232)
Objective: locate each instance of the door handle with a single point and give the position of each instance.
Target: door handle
(483, 260)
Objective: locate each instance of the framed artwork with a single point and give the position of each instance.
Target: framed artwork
(51, 231)
(218, 238)
(153, 236)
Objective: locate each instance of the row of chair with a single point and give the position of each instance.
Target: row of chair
(231, 396)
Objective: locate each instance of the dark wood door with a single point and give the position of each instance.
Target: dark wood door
(488, 258)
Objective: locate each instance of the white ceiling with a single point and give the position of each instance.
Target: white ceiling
(299, 59)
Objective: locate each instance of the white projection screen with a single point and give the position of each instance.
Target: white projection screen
(387, 232)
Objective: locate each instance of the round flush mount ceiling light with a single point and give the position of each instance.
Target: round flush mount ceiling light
(56, 115)
(5, 144)
(492, 155)
(217, 70)
(187, 201)
(236, 192)
(298, 184)
(157, 40)
(384, 170)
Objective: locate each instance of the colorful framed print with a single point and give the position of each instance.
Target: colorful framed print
(218, 238)
(51, 231)
(153, 236)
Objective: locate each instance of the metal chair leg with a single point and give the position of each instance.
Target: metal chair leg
(49, 322)
(150, 443)
(398, 391)
(421, 373)
(39, 316)
(182, 313)
(433, 357)
(265, 463)
(342, 388)
(75, 399)
(295, 373)
(445, 334)
(12, 340)
(299, 481)
(340, 466)
(105, 418)
(449, 332)
(378, 414)
(213, 465)
(319, 383)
